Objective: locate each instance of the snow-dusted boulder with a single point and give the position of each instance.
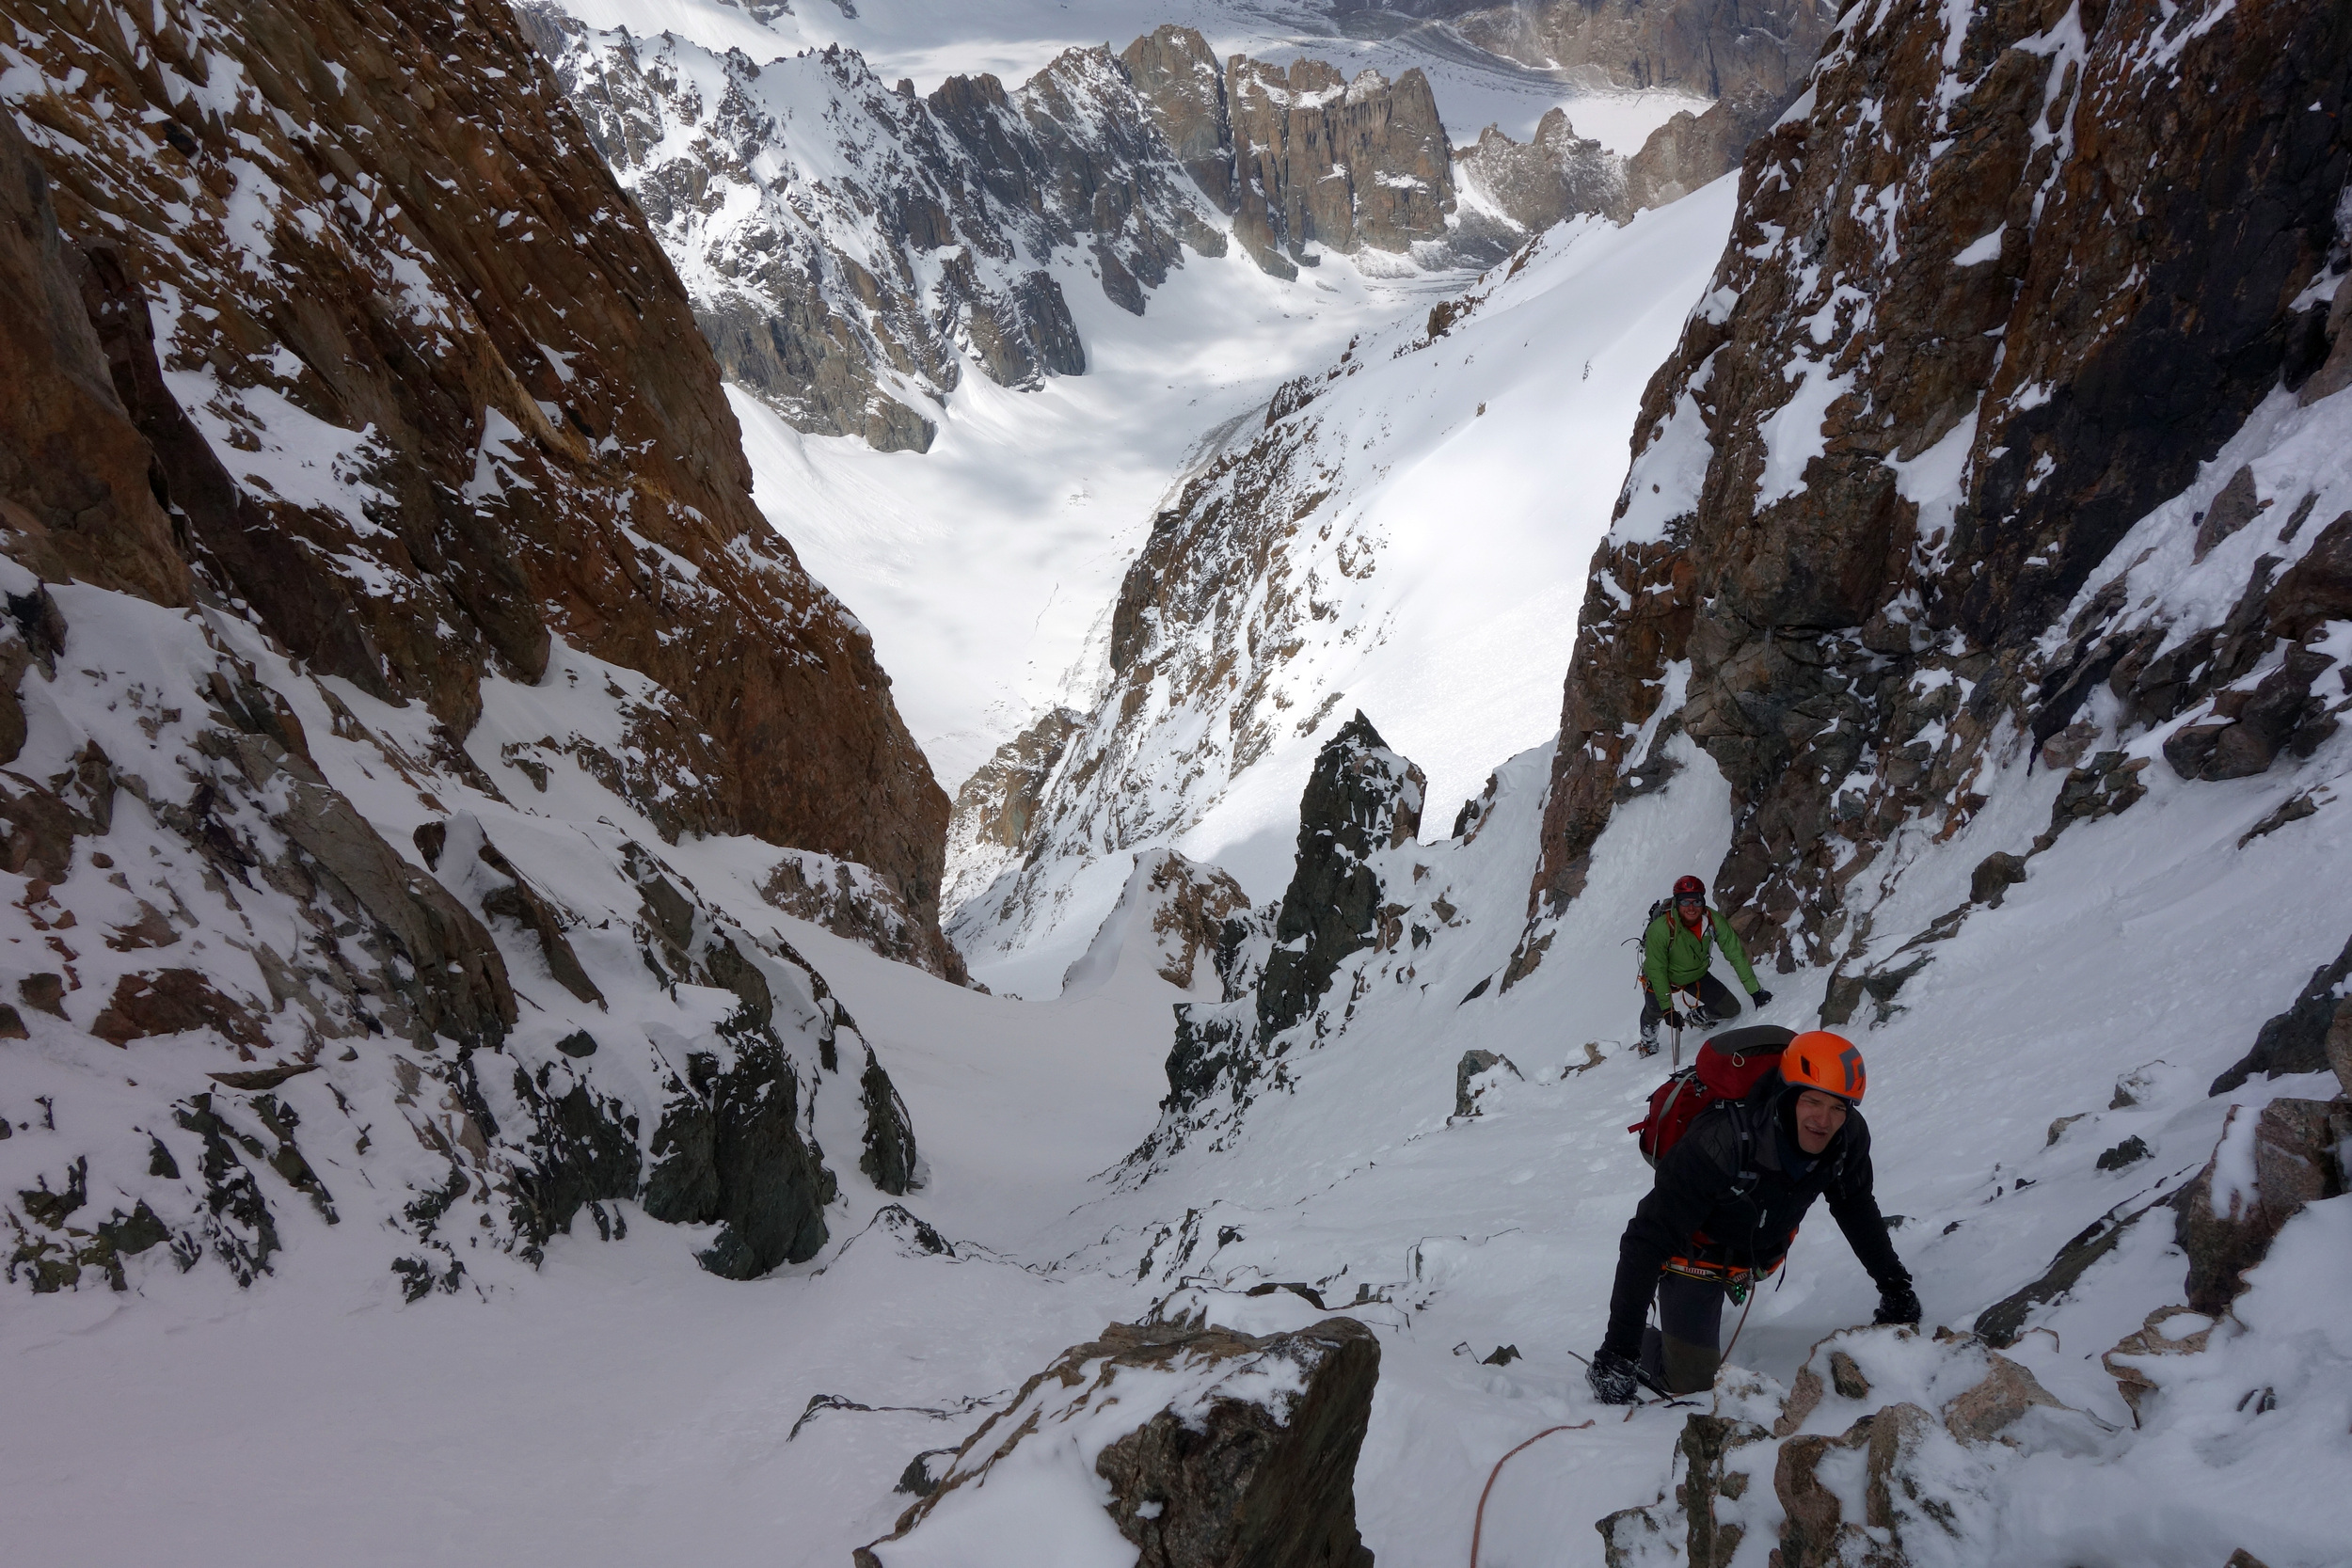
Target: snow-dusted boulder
(1164, 1446)
(1190, 924)
(2268, 1166)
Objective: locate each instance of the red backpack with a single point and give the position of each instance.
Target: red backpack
(1728, 1066)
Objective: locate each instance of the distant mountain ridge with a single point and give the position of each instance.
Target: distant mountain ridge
(850, 246)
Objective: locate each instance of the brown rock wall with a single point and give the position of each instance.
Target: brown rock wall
(457, 389)
(1322, 159)
(1711, 47)
(75, 490)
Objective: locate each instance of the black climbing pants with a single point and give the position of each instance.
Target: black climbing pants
(1683, 1352)
(1713, 994)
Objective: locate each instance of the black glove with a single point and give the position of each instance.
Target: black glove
(1673, 1020)
(1899, 1305)
(1761, 998)
(1615, 1380)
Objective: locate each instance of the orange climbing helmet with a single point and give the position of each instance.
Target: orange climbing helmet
(1821, 1060)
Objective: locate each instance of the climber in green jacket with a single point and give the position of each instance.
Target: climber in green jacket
(1674, 957)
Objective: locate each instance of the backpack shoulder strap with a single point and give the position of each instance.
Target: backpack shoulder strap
(1747, 1175)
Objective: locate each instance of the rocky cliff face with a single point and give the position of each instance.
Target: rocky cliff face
(1322, 160)
(996, 809)
(1362, 801)
(423, 431)
(2001, 429)
(1716, 48)
(1359, 905)
(369, 505)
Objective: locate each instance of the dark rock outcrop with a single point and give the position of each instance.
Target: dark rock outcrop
(1360, 799)
(1362, 803)
(1855, 632)
(888, 1158)
(2301, 1040)
(729, 1150)
(1238, 1476)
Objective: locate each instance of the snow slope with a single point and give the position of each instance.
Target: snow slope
(619, 1406)
(1439, 500)
(983, 566)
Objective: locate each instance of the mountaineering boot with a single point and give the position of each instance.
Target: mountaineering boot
(1649, 1038)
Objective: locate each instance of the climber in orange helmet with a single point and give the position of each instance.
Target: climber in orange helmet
(1726, 1203)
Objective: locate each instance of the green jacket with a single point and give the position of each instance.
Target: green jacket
(1672, 957)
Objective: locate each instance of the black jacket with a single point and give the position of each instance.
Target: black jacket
(1700, 1207)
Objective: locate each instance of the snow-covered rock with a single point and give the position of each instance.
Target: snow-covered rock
(1168, 1445)
(394, 718)
(1188, 923)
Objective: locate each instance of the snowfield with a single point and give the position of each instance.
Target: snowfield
(986, 568)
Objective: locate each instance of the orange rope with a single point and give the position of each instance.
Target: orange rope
(1478, 1526)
